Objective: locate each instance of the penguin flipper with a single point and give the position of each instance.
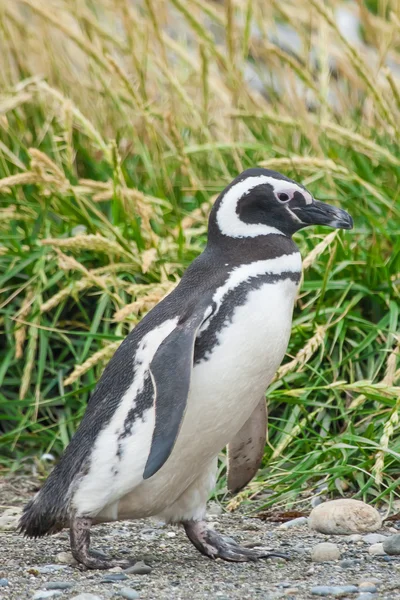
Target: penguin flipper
(246, 450)
(171, 370)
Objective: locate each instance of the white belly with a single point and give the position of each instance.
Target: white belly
(224, 390)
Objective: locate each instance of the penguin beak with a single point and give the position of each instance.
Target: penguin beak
(319, 213)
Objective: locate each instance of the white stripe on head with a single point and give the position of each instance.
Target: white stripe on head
(228, 220)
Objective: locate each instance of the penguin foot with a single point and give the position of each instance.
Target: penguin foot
(80, 544)
(215, 545)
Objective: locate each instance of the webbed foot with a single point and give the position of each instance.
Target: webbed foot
(215, 545)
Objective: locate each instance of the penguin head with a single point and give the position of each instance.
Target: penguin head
(260, 202)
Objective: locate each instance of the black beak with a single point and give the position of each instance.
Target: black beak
(319, 213)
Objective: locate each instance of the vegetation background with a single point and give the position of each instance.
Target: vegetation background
(120, 121)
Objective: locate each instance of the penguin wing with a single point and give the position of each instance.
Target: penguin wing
(170, 371)
(246, 450)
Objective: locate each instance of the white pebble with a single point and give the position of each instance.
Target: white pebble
(374, 538)
(66, 558)
(367, 586)
(376, 550)
(325, 552)
(43, 595)
(294, 523)
(344, 516)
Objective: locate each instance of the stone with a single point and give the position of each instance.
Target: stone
(3, 582)
(350, 563)
(333, 590)
(376, 550)
(316, 501)
(66, 558)
(367, 586)
(374, 538)
(86, 596)
(128, 593)
(139, 568)
(294, 523)
(43, 595)
(45, 569)
(355, 537)
(58, 585)
(392, 544)
(343, 517)
(113, 578)
(365, 596)
(9, 519)
(325, 552)
(214, 509)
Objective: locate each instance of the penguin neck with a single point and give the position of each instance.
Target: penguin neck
(237, 251)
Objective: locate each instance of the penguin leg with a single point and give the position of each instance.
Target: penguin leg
(80, 547)
(215, 545)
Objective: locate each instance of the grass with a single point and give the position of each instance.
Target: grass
(118, 126)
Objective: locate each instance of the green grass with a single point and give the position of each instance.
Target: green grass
(114, 138)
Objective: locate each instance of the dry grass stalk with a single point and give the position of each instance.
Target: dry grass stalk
(148, 257)
(33, 335)
(76, 287)
(319, 249)
(391, 424)
(97, 243)
(145, 303)
(305, 163)
(47, 169)
(20, 328)
(304, 354)
(19, 179)
(98, 357)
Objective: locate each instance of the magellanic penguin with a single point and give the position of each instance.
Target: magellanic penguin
(190, 379)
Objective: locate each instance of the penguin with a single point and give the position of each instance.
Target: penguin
(189, 380)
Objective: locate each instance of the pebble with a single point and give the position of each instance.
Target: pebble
(86, 596)
(374, 538)
(58, 585)
(43, 595)
(113, 578)
(45, 569)
(376, 550)
(325, 552)
(149, 534)
(214, 509)
(316, 501)
(344, 516)
(366, 596)
(10, 518)
(350, 563)
(66, 558)
(333, 590)
(294, 523)
(367, 586)
(139, 568)
(3, 582)
(128, 593)
(392, 544)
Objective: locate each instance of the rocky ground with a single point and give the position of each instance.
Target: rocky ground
(36, 569)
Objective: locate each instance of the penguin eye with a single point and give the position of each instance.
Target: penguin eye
(283, 197)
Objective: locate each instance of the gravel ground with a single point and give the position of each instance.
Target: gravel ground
(178, 571)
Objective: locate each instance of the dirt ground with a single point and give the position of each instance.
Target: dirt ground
(179, 572)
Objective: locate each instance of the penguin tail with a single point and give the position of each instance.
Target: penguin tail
(41, 516)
